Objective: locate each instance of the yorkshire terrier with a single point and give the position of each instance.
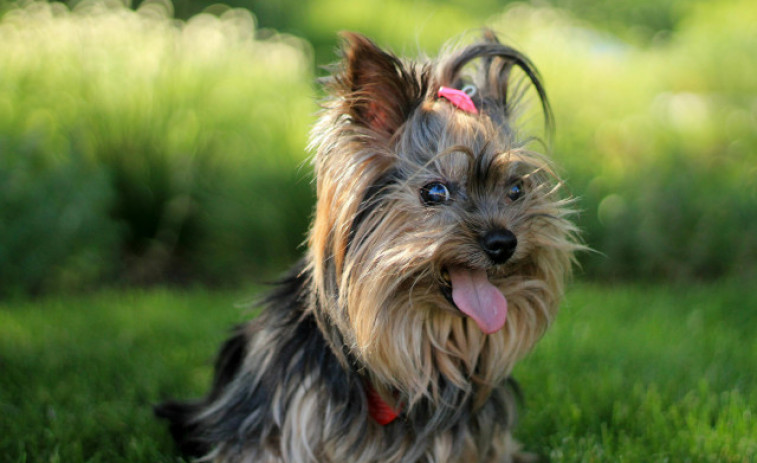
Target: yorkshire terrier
(437, 258)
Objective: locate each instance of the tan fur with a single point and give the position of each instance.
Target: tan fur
(388, 284)
(373, 274)
(387, 304)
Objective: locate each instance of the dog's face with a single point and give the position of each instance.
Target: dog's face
(440, 243)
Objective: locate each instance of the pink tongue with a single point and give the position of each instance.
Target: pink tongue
(478, 299)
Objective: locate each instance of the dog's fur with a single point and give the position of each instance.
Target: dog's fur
(369, 309)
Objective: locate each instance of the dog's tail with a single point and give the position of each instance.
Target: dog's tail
(189, 432)
(184, 429)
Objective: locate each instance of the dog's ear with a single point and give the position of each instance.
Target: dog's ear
(377, 89)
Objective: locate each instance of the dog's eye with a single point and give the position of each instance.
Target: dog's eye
(435, 193)
(515, 191)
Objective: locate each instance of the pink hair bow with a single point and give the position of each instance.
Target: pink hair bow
(458, 98)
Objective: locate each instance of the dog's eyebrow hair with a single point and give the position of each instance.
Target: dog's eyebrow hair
(454, 149)
(514, 179)
(426, 167)
(483, 164)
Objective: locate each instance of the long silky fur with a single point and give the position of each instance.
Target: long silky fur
(364, 306)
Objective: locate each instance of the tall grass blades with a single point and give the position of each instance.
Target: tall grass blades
(143, 148)
(141, 127)
(659, 141)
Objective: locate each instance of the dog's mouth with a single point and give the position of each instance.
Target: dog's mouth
(471, 292)
(446, 286)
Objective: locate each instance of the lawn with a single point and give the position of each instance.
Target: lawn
(627, 373)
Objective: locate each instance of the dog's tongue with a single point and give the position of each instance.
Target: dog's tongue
(476, 297)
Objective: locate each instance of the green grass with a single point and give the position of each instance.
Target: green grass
(627, 373)
(138, 147)
(154, 149)
(646, 373)
(79, 374)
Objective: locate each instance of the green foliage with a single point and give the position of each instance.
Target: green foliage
(659, 142)
(187, 136)
(429, 23)
(140, 148)
(55, 231)
(627, 373)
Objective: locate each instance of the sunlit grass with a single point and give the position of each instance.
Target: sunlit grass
(137, 147)
(141, 148)
(659, 141)
(627, 373)
(197, 130)
(80, 375)
(646, 373)
(119, 75)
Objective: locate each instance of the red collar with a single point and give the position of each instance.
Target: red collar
(380, 411)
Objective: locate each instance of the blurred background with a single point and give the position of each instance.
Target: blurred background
(161, 143)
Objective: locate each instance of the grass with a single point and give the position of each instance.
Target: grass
(646, 373)
(628, 373)
(137, 147)
(80, 374)
(151, 130)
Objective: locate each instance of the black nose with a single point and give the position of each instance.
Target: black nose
(499, 245)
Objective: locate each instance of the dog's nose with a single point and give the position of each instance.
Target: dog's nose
(499, 245)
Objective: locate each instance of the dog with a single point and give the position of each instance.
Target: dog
(436, 259)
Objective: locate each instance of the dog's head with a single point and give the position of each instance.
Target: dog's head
(441, 242)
